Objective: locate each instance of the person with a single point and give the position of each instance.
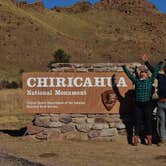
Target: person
(143, 88)
(127, 105)
(161, 105)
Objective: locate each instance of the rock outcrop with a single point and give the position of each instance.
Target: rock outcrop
(120, 5)
(38, 5)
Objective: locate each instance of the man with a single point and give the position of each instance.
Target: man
(143, 93)
(161, 111)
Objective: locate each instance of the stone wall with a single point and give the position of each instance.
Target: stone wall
(76, 126)
(80, 126)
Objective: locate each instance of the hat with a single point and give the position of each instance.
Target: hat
(143, 68)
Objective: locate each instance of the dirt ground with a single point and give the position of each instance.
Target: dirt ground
(91, 153)
(67, 153)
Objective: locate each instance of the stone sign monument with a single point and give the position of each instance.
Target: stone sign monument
(77, 101)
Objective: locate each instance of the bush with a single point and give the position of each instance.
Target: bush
(8, 85)
(60, 57)
(12, 85)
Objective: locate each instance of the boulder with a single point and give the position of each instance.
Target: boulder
(41, 136)
(120, 126)
(55, 124)
(53, 134)
(65, 118)
(84, 127)
(78, 120)
(31, 129)
(94, 133)
(99, 126)
(67, 128)
(72, 135)
(108, 132)
(42, 121)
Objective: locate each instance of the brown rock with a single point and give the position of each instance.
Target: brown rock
(112, 125)
(97, 115)
(100, 120)
(54, 119)
(108, 132)
(53, 134)
(120, 126)
(66, 118)
(78, 115)
(90, 120)
(78, 120)
(72, 135)
(99, 126)
(55, 124)
(94, 133)
(31, 129)
(83, 127)
(41, 136)
(42, 121)
(117, 120)
(67, 128)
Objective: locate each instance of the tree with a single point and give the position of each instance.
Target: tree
(60, 56)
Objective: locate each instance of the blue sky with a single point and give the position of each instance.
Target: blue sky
(160, 4)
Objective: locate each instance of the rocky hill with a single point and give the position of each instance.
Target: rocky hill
(108, 31)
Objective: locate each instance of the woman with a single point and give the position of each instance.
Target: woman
(143, 93)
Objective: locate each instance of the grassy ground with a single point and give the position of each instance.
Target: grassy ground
(11, 114)
(68, 153)
(28, 38)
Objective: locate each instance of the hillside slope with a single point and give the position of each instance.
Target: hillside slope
(116, 31)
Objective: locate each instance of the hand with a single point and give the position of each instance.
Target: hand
(144, 57)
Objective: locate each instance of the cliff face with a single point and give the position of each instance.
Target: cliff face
(125, 6)
(108, 31)
(77, 8)
(38, 5)
(131, 6)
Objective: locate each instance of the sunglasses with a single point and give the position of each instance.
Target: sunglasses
(143, 72)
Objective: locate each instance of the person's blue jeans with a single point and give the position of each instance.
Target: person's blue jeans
(161, 115)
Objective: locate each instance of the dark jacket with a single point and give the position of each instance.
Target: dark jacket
(161, 81)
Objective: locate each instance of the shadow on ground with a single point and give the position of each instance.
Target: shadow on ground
(15, 133)
(9, 160)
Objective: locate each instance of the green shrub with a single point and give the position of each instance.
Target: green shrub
(60, 56)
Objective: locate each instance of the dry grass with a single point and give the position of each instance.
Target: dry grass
(11, 113)
(28, 38)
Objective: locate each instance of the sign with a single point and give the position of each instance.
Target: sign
(72, 92)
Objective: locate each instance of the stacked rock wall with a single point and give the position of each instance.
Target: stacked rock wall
(79, 126)
(76, 126)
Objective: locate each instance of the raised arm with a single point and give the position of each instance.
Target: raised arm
(136, 72)
(148, 65)
(156, 70)
(116, 89)
(132, 78)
